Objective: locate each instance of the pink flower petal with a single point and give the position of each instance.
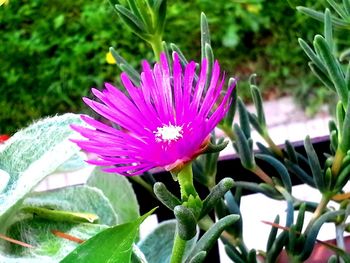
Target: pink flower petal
(163, 122)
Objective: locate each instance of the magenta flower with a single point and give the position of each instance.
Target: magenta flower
(166, 122)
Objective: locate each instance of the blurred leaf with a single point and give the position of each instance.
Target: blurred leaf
(337, 22)
(58, 22)
(47, 246)
(76, 162)
(231, 37)
(32, 154)
(118, 191)
(111, 245)
(78, 199)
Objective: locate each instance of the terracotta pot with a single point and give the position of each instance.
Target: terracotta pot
(321, 253)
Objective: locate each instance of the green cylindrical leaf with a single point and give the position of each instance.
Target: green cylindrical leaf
(243, 118)
(205, 34)
(312, 55)
(292, 154)
(265, 189)
(252, 256)
(333, 68)
(340, 10)
(186, 222)
(328, 31)
(263, 149)
(215, 148)
(320, 17)
(133, 8)
(277, 246)
(215, 195)
(332, 126)
(182, 58)
(199, 258)
(345, 130)
(126, 67)
(344, 55)
(300, 219)
(347, 76)
(165, 196)
(160, 9)
(280, 168)
(313, 232)
(146, 12)
(328, 178)
(292, 239)
(211, 236)
(244, 150)
(346, 4)
(209, 55)
(346, 160)
(290, 211)
(340, 114)
(314, 164)
(258, 102)
(273, 234)
(321, 76)
(234, 254)
(334, 142)
(342, 178)
(233, 202)
(228, 120)
(300, 173)
(233, 207)
(253, 119)
(132, 21)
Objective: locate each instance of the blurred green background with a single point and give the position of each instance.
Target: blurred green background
(53, 52)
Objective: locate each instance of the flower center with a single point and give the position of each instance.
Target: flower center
(168, 133)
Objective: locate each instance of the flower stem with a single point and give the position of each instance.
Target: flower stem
(206, 223)
(156, 44)
(185, 177)
(178, 249)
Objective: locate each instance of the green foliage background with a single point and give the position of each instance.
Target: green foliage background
(53, 52)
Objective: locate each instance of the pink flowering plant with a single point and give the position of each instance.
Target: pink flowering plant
(166, 122)
(166, 118)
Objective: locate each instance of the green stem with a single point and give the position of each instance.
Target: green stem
(206, 223)
(338, 159)
(319, 210)
(178, 249)
(156, 44)
(272, 145)
(185, 177)
(263, 176)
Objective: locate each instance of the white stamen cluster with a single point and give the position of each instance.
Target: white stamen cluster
(168, 133)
